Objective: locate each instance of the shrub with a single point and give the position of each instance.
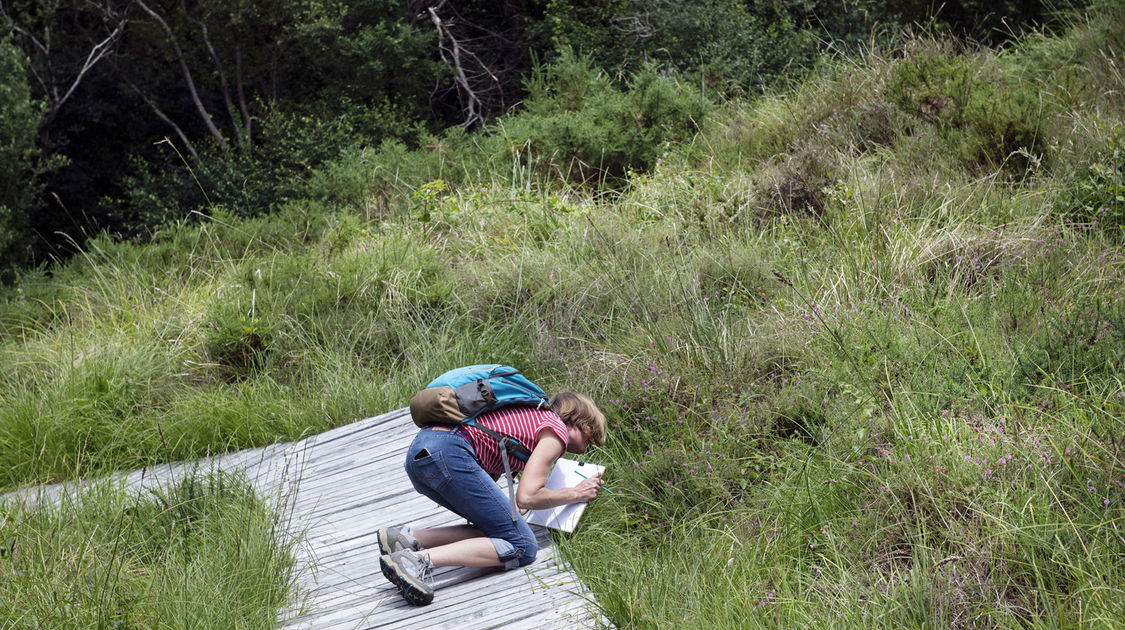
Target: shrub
(1007, 124)
(933, 86)
(20, 164)
(238, 336)
(380, 181)
(584, 128)
(1097, 195)
(577, 125)
(1081, 346)
(984, 116)
(288, 150)
(798, 185)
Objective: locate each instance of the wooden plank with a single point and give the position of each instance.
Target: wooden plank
(331, 544)
(454, 605)
(393, 421)
(358, 472)
(367, 557)
(451, 601)
(367, 571)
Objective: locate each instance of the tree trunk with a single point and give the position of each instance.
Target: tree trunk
(200, 108)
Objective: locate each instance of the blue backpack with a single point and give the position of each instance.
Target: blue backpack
(459, 396)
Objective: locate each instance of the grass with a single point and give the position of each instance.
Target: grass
(862, 344)
(102, 557)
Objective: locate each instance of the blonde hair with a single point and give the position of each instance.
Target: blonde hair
(579, 411)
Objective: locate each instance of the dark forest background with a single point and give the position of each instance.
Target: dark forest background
(120, 116)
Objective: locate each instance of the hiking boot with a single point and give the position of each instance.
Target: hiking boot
(411, 572)
(392, 539)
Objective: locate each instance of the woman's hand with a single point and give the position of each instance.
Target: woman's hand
(587, 489)
(531, 492)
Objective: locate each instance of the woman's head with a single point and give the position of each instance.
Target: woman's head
(580, 412)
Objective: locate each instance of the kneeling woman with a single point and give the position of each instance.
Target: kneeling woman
(457, 467)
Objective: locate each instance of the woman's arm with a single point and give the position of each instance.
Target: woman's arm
(531, 492)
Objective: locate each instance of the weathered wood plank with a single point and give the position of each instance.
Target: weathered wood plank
(456, 599)
(503, 598)
(366, 571)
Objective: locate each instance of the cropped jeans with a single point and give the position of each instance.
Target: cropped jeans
(442, 465)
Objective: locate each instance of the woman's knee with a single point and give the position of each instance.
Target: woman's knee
(528, 551)
(518, 551)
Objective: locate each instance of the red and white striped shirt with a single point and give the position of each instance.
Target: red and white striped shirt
(522, 423)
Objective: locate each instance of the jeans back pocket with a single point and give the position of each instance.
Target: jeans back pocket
(428, 468)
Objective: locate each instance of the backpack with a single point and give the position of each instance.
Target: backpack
(460, 395)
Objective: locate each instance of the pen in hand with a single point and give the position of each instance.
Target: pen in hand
(600, 487)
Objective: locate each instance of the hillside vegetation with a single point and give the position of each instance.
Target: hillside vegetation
(861, 343)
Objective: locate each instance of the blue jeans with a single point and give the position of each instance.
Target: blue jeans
(443, 466)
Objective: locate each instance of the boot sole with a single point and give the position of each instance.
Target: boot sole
(385, 550)
(414, 593)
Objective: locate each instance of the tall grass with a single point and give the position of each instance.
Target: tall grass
(862, 345)
(102, 557)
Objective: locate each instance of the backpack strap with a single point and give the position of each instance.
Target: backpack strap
(517, 449)
(508, 474)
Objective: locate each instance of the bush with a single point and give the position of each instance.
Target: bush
(1080, 347)
(20, 167)
(1008, 130)
(731, 46)
(380, 181)
(576, 125)
(238, 337)
(287, 152)
(934, 87)
(988, 119)
(582, 127)
(1097, 196)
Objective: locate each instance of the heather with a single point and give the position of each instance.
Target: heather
(861, 342)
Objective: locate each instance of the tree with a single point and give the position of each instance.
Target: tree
(486, 49)
(218, 49)
(20, 187)
(60, 67)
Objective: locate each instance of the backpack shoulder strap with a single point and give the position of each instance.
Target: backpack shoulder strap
(508, 446)
(515, 448)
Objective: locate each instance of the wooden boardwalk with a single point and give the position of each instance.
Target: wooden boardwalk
(336, 489)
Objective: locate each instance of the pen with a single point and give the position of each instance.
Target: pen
(585, 477)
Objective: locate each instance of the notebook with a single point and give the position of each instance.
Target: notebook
(566, 473)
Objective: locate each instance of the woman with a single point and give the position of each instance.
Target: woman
(458, 466)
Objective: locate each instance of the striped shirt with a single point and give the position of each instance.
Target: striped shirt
(522, 423)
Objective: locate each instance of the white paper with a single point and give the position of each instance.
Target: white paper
(567, 473)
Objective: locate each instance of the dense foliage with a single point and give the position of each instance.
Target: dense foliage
(159, 112)
(19, 190)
